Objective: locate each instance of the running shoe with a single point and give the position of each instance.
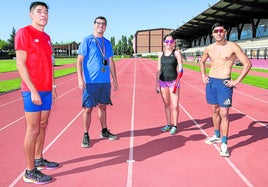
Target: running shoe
(35, 176)
(213, 139)
(85, 141)
(108, 135)
(224, 150)
(43, 163)
(173, 130)
(166, 128)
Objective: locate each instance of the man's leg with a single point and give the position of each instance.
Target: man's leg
(39, 161)
(40, 140)
(102, 114)
(224, 123)
(224, 129)
(216, 119)
(86, 121)
(33, 128)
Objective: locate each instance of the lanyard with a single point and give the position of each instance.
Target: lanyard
(102, 50)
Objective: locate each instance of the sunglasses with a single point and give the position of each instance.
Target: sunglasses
(218, 31)
(100, 23)
(169, 41)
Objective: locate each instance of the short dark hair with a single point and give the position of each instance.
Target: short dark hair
(100, 17)
(169, 34)
(218, 24)
(36, 3)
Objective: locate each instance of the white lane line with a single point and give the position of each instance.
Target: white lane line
(258, 99)
(231, 164)
(8, 125)
(50, 145)
(10, 102)
(21, 97)
(233, 108)
(131, 160)
(12, 123)
(236, 91)
(57, 137)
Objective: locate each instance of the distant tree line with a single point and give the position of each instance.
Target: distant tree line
(7, 47)
(124, 46)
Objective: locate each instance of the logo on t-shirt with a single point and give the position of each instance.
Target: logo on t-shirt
(36, 40)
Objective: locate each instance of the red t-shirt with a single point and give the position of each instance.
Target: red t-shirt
(38, 46)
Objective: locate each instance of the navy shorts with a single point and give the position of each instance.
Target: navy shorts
(219, 94)
(96, 93)
(29, 106)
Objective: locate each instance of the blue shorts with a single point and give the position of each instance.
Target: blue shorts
(96, 93)
(29, 106)
(219, 94)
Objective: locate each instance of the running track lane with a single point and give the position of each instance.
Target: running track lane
(143, 156)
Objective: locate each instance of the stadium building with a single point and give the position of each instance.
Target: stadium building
(149, 42)
(246, 22)
(68, 49)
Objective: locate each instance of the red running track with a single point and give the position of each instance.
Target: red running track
(143, 155)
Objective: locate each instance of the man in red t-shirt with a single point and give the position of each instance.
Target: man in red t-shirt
(34, 62)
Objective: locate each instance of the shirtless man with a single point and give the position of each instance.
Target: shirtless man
(219, 85)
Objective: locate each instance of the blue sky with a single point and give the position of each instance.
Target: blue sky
(72, 20)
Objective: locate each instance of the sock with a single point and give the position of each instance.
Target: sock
(224, 139)
(217, 133)
(104, 130)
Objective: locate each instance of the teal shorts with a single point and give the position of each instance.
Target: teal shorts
(219, 94)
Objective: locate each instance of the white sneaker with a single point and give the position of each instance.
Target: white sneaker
(213, 139)
(224, 150)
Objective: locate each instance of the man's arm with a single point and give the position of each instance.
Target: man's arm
(79, 62)
(21, 57)
(244, 60)
(54, 91)
(113, 73)
(203, 65)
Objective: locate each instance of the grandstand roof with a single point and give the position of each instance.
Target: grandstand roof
(230, 12)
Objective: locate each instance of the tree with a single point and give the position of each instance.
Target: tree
(113, 41)
(130, 49)
(3, 45)
(10, 41)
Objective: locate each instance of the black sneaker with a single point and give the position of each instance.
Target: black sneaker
(43, 163)
(36, 177)
(85, 142)
(108, 135)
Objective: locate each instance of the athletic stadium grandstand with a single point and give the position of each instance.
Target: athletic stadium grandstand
(246, 22)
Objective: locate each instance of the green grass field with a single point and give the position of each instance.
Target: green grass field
(13, 84)
(257, 81)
